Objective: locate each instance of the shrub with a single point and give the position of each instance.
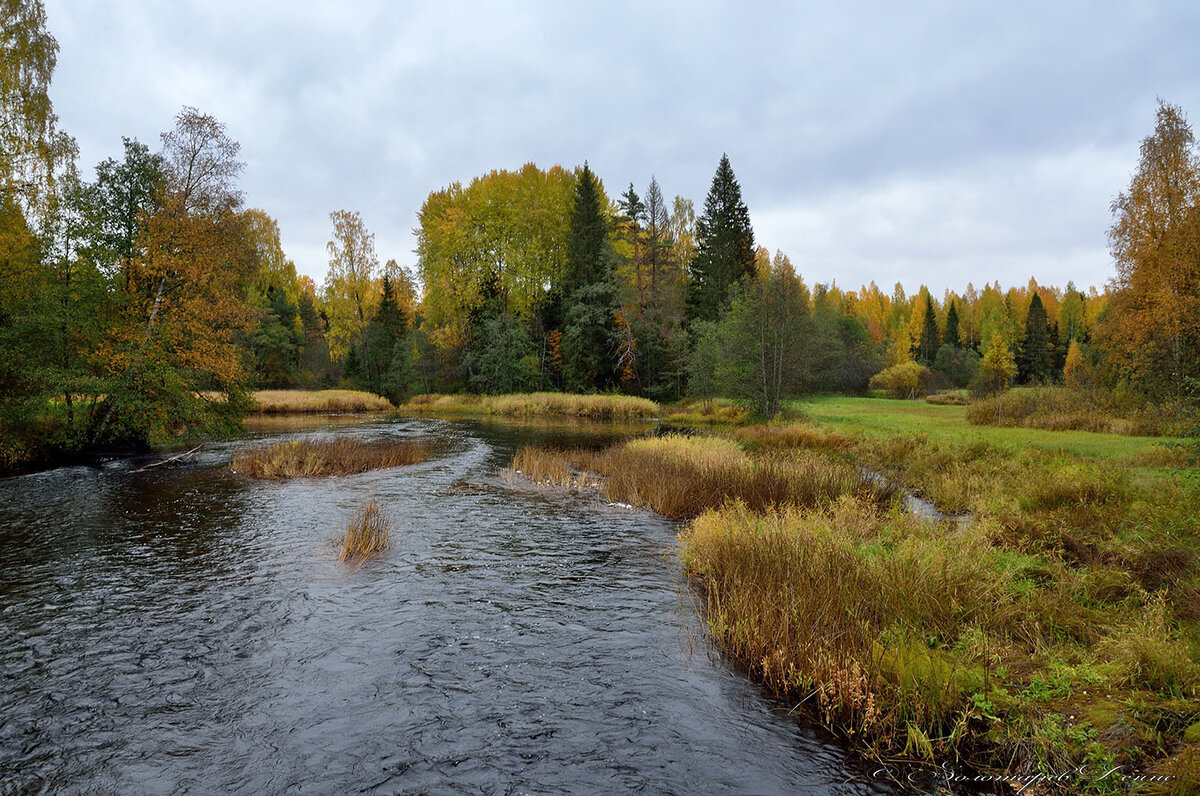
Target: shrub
(906, 380)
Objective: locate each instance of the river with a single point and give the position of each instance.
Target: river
(182, 629)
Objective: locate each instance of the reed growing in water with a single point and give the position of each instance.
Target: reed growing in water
(539, 404)
(320, 458)
(367, 535)
(681, 477)
(317, 401)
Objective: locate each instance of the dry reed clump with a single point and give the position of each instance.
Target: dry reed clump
(367, 535)
(320, 401)
(539, 404)
(593, 407)
(777, 437)
(316, 459)
(541, 465)
(715, 411)
(681, 477)
(957, 398)
(822, 606)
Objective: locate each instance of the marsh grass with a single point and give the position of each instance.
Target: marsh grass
(319, 401)
(683, 476)
(367, 535)
(1062, 409)
(321, 458)
(538, 404)
(717, 411)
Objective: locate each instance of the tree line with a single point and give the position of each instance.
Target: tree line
(146, 303)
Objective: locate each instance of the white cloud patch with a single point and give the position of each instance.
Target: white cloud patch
(1006, 219)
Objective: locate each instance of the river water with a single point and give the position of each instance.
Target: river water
(182, 629)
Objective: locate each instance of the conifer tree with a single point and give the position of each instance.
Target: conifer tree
(725, 246)
(1036, 360)
(927, 348)
(951, 336)
(590, 328)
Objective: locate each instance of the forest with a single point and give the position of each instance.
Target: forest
(142, 302)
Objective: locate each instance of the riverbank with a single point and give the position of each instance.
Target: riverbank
(1058, 629)
(272, 402)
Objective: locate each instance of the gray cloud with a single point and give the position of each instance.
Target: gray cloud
(924, 142)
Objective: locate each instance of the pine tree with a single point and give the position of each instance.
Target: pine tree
(725, 246)
(951, 336)
(1036, 360)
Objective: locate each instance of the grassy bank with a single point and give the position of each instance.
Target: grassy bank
(318, 458)
(317, 401)
(882, 417)
(1061, 409)
(538, 404)
(1060, 628)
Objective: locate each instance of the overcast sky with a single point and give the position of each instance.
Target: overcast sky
(930, 143)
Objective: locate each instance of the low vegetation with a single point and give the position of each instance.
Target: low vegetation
(318, 401)
(367, 535)
(1058, 629)
(539, 404)
(1059, 409)
(680, 476)
(320, 458)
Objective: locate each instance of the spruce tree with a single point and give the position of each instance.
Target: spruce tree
(724, 247)
(1036, 359)
(951, 336)
(587, 240)
(927, 348)
(589, 328)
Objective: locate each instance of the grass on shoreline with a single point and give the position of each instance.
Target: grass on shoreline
(680, 477)
(319, 401)
(538, 404)
(320, 458)
(1060, 628)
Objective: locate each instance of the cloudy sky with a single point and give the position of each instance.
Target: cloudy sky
(930, 143)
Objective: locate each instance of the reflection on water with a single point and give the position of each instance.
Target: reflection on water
(181, 629)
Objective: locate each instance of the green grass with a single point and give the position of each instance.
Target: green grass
(882, 416)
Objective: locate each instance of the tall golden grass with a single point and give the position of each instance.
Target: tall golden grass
(367, 535)
(319, 401)
(680, 476)
(319, 458)
(824, 608)
(539, 404)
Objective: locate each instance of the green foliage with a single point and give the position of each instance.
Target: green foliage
(1036, 360)
(958, 365)
(725, 247)
(760, 351)
(951, 337)
(509, 362)
(589, 321)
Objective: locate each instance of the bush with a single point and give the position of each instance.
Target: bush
(906, 380)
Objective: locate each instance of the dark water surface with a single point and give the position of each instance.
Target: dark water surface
(181, 629)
